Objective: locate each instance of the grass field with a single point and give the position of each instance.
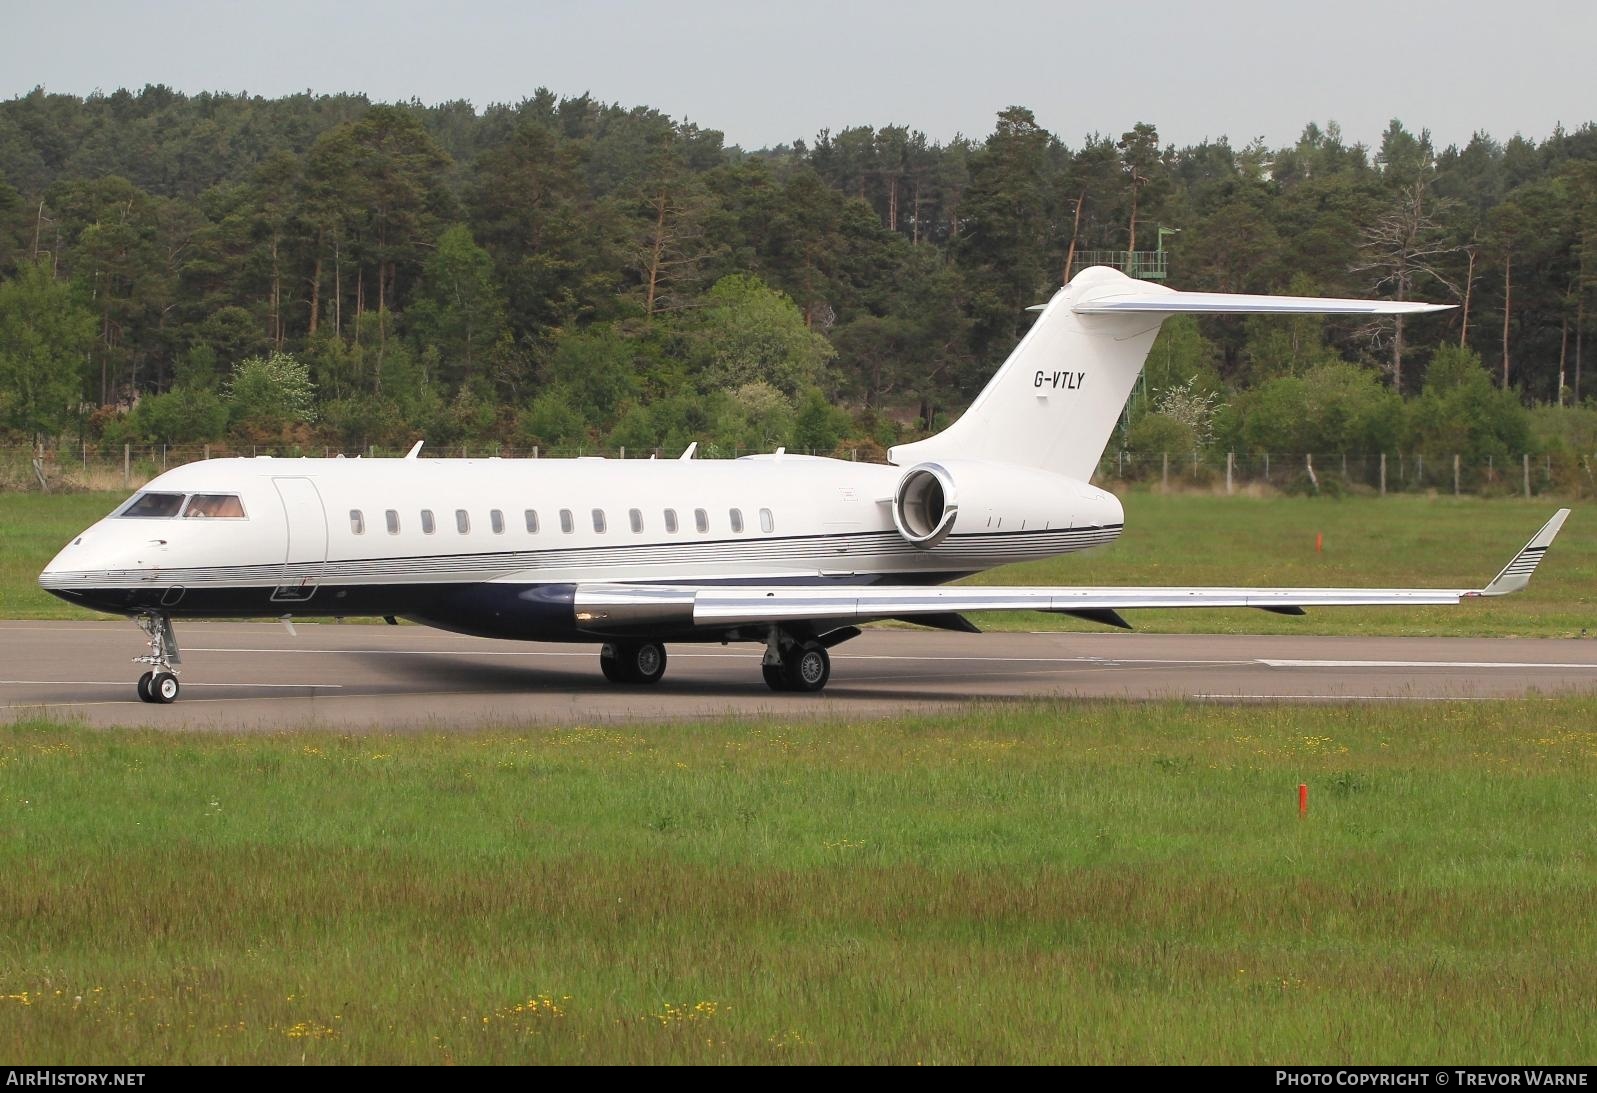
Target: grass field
(1072, 882)
(1397, 541)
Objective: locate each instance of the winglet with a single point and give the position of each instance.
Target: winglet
(687, 454)
(415, 450)
(1516, 574)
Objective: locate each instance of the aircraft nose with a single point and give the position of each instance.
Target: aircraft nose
(62, 560)
(80, 556)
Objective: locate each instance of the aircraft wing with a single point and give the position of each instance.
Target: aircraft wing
(736, 606)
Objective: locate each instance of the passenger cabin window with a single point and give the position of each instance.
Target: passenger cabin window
(496, 520)
(357, 522)
(701, 520)
(392, 516)
(635, 517)
(224, 506)
(568, 524)
(598, 520)
(532, 521)
(767, 521)
(671, 521)
(736, 516)
(150, 506)
(462, 521)
(427, 525)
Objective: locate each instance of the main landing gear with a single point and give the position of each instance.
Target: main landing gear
(793, 665)
(159, 684)
(792, 662)
(632, 661)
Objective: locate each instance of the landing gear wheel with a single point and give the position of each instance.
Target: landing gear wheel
(163, 688)
(774, 678)
(160, 683)
(807, 668)
(647, 662)
(633, 661)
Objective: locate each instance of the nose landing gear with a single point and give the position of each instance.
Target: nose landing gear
(160, 683)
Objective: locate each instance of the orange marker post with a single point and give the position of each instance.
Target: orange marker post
(1319, 541)
(1303, 799)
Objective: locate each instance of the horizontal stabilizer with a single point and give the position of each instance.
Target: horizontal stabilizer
(1221, 303)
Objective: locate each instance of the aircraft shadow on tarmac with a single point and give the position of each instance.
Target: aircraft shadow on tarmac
(455, 673)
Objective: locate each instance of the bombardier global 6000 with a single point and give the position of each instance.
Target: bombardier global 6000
(792, 552)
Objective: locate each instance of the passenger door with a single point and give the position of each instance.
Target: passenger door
(306, 550)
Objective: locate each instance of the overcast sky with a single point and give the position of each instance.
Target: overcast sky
(770, 73)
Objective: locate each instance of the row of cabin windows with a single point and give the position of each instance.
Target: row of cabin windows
(568, 521)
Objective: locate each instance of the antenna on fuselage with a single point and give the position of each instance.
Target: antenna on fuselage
(415, 451)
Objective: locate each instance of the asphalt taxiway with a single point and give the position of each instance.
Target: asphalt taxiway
(256, 675)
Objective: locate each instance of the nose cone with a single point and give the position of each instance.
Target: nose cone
(64, 562)
(80, 571)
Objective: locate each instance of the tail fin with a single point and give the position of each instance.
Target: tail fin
(1056, 399)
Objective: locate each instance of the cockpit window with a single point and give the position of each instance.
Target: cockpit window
(150, 506)
(224, 505)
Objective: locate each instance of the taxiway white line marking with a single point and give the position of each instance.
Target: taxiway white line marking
(124, 683)
(1420, 664)
(1350, 698)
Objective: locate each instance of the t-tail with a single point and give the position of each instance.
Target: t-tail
(1054, 403)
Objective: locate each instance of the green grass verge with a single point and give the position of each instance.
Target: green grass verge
(1177, 539)
(1065, 882)
(33, 528)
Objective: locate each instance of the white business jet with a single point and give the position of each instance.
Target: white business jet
(793, 552)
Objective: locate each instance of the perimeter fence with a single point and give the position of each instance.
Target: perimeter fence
(1565, 474)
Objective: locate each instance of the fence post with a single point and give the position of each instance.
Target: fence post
(1419, 470)
(623, 451)
(1383, 474)
(1266, 466)
(163, 458)
(1455, 474)
(207, 451)
(1308, 466)
(1230, 463)
(535, 451)
(1344, 465)
(1527, 474)
(1120, 463)
(1166, 484)
(85, 462)
(127, 466)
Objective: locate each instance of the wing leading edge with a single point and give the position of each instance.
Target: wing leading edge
(750, 605)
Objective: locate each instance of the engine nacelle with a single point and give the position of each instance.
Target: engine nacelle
(994, 498)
